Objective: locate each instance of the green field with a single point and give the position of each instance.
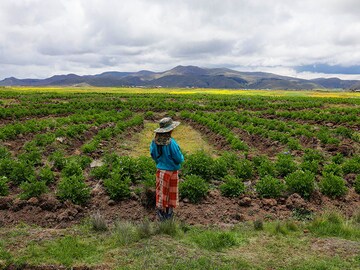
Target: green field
(271, 179)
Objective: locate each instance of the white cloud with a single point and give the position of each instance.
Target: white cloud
(40, 38)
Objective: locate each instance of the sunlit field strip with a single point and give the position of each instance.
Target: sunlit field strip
(285, 93)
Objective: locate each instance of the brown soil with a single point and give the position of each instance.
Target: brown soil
(47, 211)
(259, 144)
(218, 141)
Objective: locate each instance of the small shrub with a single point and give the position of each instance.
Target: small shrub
(312, 154)
(243, 169)
(269, 187)
(357, 184)
(31, 156)
(73, 188)
(301, 182)
(199, 164)
(332, 168)
(233, 187)
(118, 187)
(32, 188)
(101, 172)
(220, 168)
(21, 172)
(58, 160)
(265, 167)
(47, 175)
(285, 165)
(333, 185)
(338, 158)
(145, 166)
(293, 144)
(4, 153)
(6, 167)
(194, 188)
(310, 165)
(82, 160)
(126, 167)
(149, 181)
(71, 168)
(90, 146)
(351, 165)
(4, 188)
(44, 139)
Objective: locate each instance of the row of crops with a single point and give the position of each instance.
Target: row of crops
(49, 142)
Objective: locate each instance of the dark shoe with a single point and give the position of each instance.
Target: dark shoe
(169, 213)
(161, 214)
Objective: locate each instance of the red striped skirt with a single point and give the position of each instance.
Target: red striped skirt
(167, 190)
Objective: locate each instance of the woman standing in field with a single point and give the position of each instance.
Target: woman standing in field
(168, 158)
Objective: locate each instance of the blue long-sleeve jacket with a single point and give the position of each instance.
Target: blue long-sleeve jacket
(170, 158)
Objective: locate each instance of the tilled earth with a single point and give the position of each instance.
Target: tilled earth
(215, 209)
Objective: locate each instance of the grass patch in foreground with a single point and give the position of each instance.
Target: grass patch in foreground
(67, 251)
(174, 245)
(333, 224)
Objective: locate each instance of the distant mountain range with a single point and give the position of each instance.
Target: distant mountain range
(188, 76)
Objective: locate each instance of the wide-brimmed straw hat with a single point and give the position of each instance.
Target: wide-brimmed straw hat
(166, 125)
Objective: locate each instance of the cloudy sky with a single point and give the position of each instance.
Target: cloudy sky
(303, 38)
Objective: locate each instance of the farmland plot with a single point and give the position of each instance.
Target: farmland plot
(247, 138)
(67, 156)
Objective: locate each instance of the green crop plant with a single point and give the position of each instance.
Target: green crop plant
(357, 184)
(145, 166)
(46, 175)
(332, 185)
(285, 165)
(58, 160)
(269, 187)
(220, 168)
(4, 153)
(44, 139)
(232, 187)
(332, 168)
(193, 188)
(351, 165)
(243, 168)
(73, 188)
(32, 188)
(118, 186)
(126, 167)
(101, 172)
(200, 164)
(338, 158)
(301, 182)
(72, 168)
(21, 172)
(4, 187)
(6, 167)
(310, 165)
(264, 166)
